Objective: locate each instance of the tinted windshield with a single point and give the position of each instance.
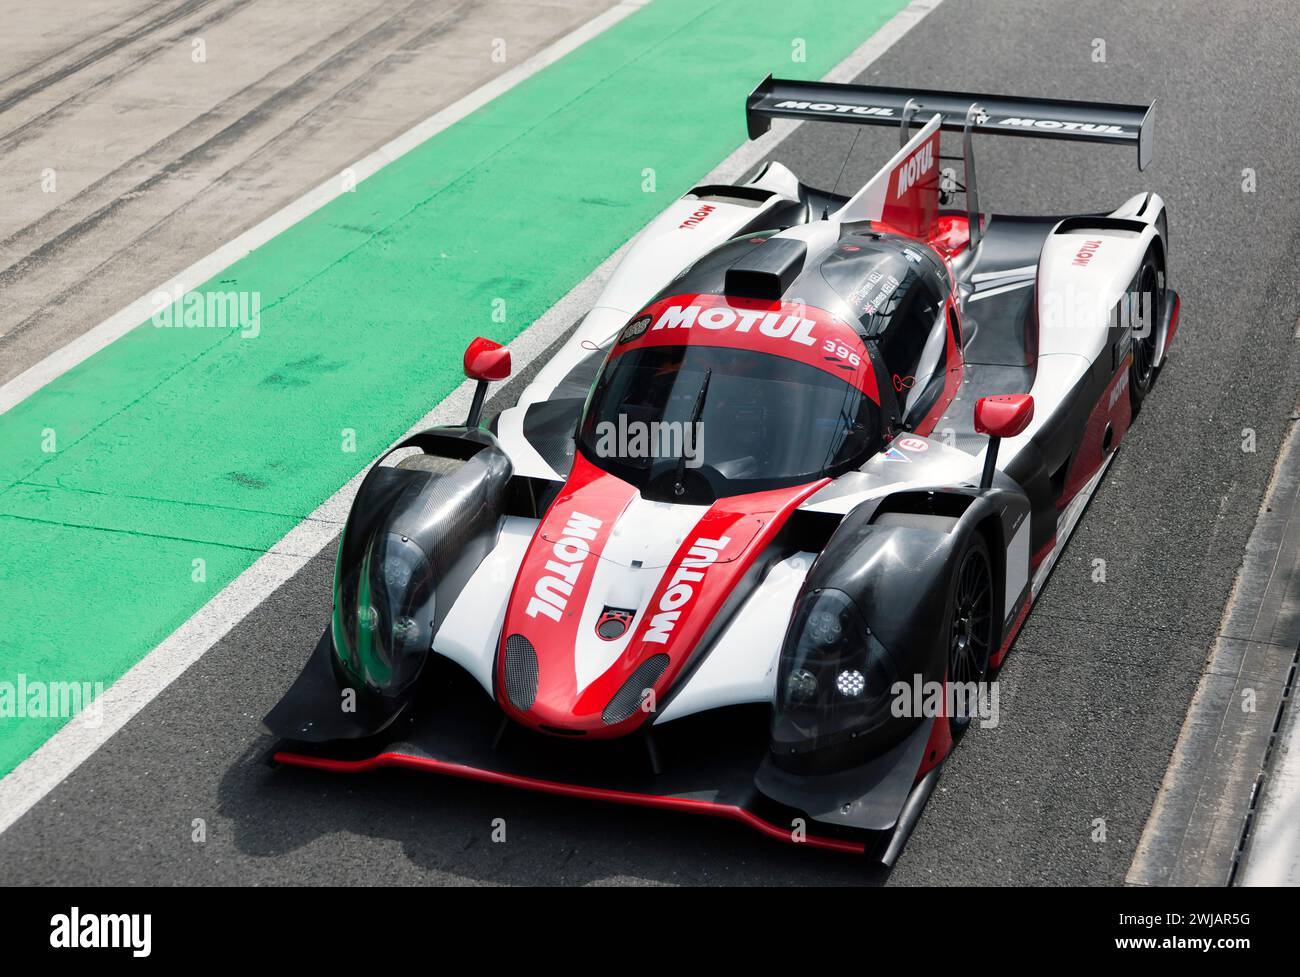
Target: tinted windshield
(743, 420)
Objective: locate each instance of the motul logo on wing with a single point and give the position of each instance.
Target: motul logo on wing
(1102, 130)
(703, 553)
(1085, 253)
(914, 168)
(834, 107)
(551, 593)
(704, 211)
(792, 327)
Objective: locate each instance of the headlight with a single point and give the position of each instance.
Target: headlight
(833, 691)
(383, 614)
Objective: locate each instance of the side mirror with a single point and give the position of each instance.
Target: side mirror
(1003, 416)
(485, 361)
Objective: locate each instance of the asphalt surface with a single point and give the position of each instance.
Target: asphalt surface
(1096, 688)
(126, 153)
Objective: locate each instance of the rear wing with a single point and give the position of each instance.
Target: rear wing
(1007, 115)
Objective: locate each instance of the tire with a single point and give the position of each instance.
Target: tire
(971, 621)
(1148, 311)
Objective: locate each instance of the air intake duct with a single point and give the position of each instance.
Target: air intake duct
(627, 700)
(521, 672)
(766, 271)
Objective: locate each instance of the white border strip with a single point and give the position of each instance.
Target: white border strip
(118, 325)
(67, 749)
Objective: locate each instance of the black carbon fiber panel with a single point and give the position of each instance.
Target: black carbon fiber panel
(549, 426)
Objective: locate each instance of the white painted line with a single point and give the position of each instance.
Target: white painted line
(119, 324)
(999, 290)
(67, 749)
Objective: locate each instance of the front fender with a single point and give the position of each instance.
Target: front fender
(894, 560)
(414, 536)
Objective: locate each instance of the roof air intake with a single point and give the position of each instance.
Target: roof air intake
(766, 271)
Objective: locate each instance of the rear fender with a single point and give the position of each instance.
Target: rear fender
(1086, 269)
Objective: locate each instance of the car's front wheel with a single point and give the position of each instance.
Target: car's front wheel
(970, 613)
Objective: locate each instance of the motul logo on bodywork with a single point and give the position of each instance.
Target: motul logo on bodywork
(834, 107)
(1101, 130)
(551, 593)
(915, 168)
(1085, 253)
(792, 327)
(704, 211)
(703, 553)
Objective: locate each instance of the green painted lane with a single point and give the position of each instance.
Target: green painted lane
(136, 486)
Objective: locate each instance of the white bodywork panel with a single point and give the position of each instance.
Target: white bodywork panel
(741, 667)
(469, 632)
(1017, 567)
(1066, 522)
(1075, 302)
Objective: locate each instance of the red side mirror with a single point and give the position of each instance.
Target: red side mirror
(486, 360)
(1003, 416)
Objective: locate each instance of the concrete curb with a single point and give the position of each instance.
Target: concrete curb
(1202, 819)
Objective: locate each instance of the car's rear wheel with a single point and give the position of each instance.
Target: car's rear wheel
(970, 611)
(1148, 304)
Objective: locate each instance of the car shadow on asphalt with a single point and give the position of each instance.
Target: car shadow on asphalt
(343, 828)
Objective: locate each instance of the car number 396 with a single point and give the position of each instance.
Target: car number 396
(840, 351)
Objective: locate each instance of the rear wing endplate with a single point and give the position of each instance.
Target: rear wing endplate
(1007, 115)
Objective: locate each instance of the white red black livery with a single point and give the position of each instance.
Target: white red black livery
(903, 410)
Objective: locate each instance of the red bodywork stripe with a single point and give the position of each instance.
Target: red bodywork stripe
(1012, 631)
(939, 745)
(1173, 323)
(688, 805)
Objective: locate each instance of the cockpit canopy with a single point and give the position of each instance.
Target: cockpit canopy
(760, 368)
(704, 396)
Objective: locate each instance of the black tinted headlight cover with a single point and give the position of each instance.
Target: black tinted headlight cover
(834, 688)
(383, 620)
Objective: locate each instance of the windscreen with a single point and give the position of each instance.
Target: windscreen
(738, 419)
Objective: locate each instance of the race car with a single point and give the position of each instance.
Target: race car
(799, 474)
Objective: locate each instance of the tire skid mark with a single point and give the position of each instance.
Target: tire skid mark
(38, 123)
(211, 147)
(112, 47)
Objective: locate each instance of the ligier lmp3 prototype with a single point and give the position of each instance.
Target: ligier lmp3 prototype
(886, 418)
